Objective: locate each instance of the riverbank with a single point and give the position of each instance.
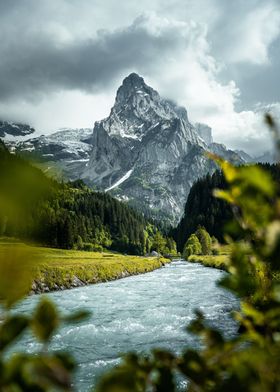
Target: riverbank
(219, 261)
(60, 269)
(68, 269)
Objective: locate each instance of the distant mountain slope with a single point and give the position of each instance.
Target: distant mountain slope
(10, 130)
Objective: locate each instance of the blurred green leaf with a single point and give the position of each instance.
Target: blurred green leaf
(16, 273)
(45, 320)
(11, 329)
(77, 317)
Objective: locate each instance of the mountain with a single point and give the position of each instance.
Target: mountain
(10, 130)
(64, 150)
(147, 152)
(267, 157)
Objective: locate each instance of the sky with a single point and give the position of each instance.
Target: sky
(61, 61)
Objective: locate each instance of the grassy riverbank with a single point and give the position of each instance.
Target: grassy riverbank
(58, 269)
(219, 261)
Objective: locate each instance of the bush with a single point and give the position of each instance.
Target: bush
(89, 247)
(205, 240)
(192, 247)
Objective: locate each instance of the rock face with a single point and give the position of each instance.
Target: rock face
(147, 152)
(205, 132)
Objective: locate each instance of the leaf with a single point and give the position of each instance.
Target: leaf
(255, 177)
(45, 320)
(77, 317)
(11, 329)
(16, 273)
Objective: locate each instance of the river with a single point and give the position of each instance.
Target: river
(136, 314)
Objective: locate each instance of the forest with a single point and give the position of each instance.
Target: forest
(204, 209)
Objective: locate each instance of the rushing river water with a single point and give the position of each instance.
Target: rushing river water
(136, 314)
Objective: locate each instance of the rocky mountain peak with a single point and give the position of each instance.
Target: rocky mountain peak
(133, 91)
(133, 81)
(138, 108)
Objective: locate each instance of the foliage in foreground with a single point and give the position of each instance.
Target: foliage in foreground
(249, 361)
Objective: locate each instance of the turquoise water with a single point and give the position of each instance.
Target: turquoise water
(136, 314)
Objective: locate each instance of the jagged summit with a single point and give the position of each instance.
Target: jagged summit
(138, 108)
(133, 80)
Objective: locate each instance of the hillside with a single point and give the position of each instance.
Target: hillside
(202, 208)
(66, 215)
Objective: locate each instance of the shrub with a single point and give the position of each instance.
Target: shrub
(89, 247)
(192, 247)
(205, 240)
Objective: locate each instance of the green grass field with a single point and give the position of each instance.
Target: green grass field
(58, 268)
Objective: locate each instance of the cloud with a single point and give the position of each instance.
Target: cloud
(174, 56)
(55, 60)
(34, 65)
(250, 31)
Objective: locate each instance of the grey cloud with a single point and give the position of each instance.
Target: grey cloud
(37, 64)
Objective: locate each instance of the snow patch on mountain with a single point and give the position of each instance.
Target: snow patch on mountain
(120, 181)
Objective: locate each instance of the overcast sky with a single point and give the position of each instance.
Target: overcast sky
(61, 61)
